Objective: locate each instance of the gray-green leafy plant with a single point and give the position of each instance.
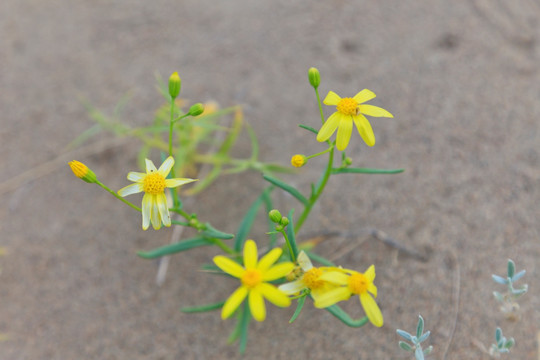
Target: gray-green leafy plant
(416, 340)
(508, 300)
(502, 345)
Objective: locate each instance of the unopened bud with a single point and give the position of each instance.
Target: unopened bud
(174, 85)
(196, 109)
(298, 160)
(284, 221)
(275, 216)
(82, 171)
(314, 77)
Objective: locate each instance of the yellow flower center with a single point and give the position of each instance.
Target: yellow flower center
(358, 283)
(311, 278)
(251, 278)
(347, 106)
(154, 184)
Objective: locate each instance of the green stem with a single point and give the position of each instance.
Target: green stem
(176, 200)
(315, 196)
(113, 193)
(222, 246)
(320, 105)
(284, 233)
(320, 153)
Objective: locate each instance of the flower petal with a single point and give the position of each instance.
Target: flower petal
(274, 295)
(304, 261)
(292, 287)
(277, 271)
(333, 296)
(335, 277)
(370, 273)
(269, 259)
(229, 266)
(364, 129)
(130, 189)
(364, 95)
(256, 305)
(161, 202)
(166, 167)
(154, 213)
(329, 127)
(136, 176)
(372, 309)
(250, 254)
(331, 99)
(372, 289)
(374, 111)
(344, 132)
(150, 167)
(146, 210)
(172, 183)
(233, 302)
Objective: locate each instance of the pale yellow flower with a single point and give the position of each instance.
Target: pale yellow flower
(153, 183)
(349, 110)
(350, 283)
(254, 277)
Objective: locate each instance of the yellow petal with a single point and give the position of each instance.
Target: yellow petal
(229, 266)
(292, 287)
(333, 296)
(372, 289)
(256, 305)
(130, 189)
(233, 302)
(172, 183)
(374, 111)
(250, 254)
(372, 309)
(364, 95)
(150, 167)
(304, 261)
(370, 273)
(269, 259)
(161, 201)
(154, 213)
(136, 176)
(329, 127)
(364, 129)
(274, 295)
(166, 167)
(344, 132)
(146, 210)
(331, 99)
(277, 271)
(335, 277)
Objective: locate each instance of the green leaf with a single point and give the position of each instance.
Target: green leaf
(364, 171)
(420, 327)
(345, 318)
(511, 268)
(299, 307)
(319, 259)
(291, 235)
(214, 233)
(247, 221)
(244, 322)
(269, 206)
(175, 248)
(288, 188)
(203, 308)
(309, 128)
(405, 346)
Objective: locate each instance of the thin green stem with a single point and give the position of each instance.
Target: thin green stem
(113, 193)
(320, 153)
(176, 200)
(284, 233)
(222, 246)
(320, 105)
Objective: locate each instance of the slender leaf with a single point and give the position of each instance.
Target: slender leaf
(214, 233)
(511, 268)
(175, 248)
(405, 346)
(244, 321)
(288, 188)
(291, 235)
(299, 307)
(247, 221)
(203, 308)
(319, 259)
(308, 128)
(365, 171)
(345, 318)
(405, 335)
(420, 327)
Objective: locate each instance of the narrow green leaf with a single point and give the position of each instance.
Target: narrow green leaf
(405, 346)
(299, 307)
(203, 308)
(269, 206)
(244, 323)
(420, 327)
(511, 268)
(174, 248)
(214, 233)
(308, 128)
(319, 259)
(345, 318)
(247, 221)
(365, 171)
(291, 235)
(288, 188)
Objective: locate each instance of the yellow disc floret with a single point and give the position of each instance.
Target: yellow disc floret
(358, 283)
(154, 184)
(347, 106)
(251, 278)
(311, 278)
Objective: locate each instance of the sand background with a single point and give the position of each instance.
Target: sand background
(461, 78)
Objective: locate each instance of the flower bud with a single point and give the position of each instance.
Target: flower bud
(275, 216)
(314, 77)
(284, 221)
(347, 161)
(298, 160)
(82, 171)
(196, 110)
(279, 228)
(174, 85)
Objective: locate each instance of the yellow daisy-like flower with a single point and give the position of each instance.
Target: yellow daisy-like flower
(350, 283)
(350, 110)
(254, 277)
(153, 183)
(310, 279)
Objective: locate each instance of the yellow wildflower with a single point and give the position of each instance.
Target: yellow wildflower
(153, 183)
(350, 110)
(298, 160)
(254, 277)
(350, 283)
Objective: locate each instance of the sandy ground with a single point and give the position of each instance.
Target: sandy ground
(461, 77)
